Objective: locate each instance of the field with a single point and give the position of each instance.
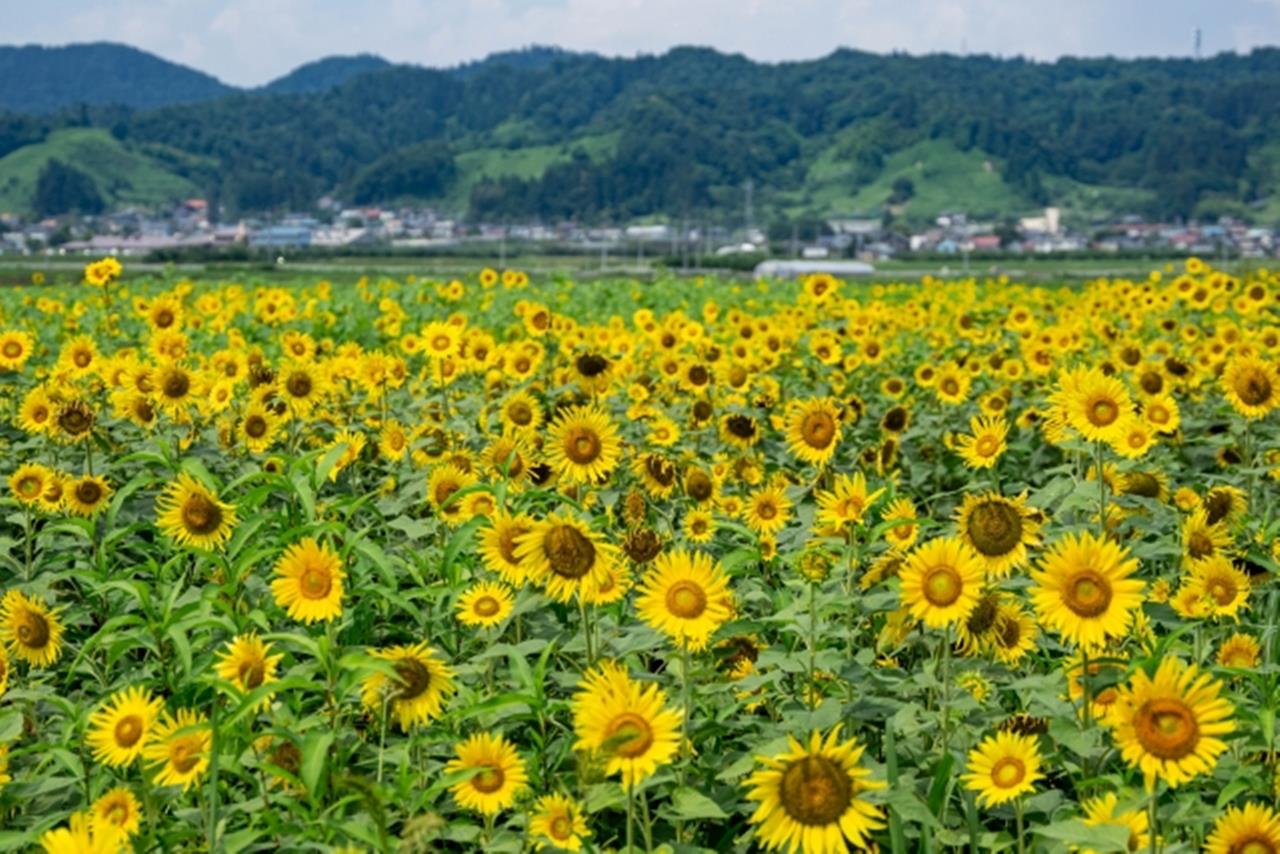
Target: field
(295, 560)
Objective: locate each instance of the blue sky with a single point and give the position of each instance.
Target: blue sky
(248, 42)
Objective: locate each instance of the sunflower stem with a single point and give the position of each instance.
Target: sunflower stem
(647, 826)
(27, 542)
(631, 817)
(1102, 490)
(686, 747)
(813, 646)
(1086, 688)
(382, 735)
(213, 774)
(1153, 815)
(946, 689)
(1017, 812)
(586, 631)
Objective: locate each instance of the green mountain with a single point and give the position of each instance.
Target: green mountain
(324, 74)
(550, 134)
(35, 79)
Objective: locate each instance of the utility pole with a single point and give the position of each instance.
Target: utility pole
(1197, 42)
(749, 187)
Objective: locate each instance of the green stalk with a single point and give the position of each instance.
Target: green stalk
(1017, 811)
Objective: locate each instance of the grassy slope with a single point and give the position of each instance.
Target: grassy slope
(123, 175)
(525, 162)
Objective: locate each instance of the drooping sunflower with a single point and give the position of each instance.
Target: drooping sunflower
(1170, 726)
(657, 473)
(1223, 587)
(192, 515)
(417, 692)
(558, 821)
(247, 663)
(485, 604)
(982, 447)
(121, 728)
(1251, 829)
(116, 811)
(88, 496)
(626, 721)
(811, 797)
(1251, 386)
(583, 444)
(768, 510)
(30, 629)
(739, 430)
(999, 529)
(500, 773)
(1014, 632)
(498, 545)
(1003, 767)
(686, 596)
(178, 750)
(561, 553)
(28, 482)
(1104, 810)
(941, 581)
(813, 430)
(308, 581)
(1225, 503)
(1240, 651)
(846, 502)
(1083, 589)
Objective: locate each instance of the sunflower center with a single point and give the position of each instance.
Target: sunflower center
(582, 446)
(1200, 545)
(520, 414)
(255, 427)
(507, 542)
(33, 632)
(176, 385)
(164, 318)
(818, 430)
(698, 485)
(200, 515)
(686, 600)
(1253, 845)
(83, 358)
(1142, 484)
(1223, 591)
(1254, 388)
(1008, 772)
(12, 349)
(184, 756)
(1166, 727)
(315, 582)
(592, 364)
(662, 471)
(995, 528)
(895, 420)
(127, 731)
(983, 616)
(75, 418)
(414, 678)
(630, 735)
(1102, 412)
(570, 553)
(942, 586)
(1008, 632)
(485, 606)
(117, 814)
(741, 426)
(560, 827)
(299, 385)
(1088, 593)
(29, 486)
(441, 343)
(88, 492)
(987, 446)
(815, 791)
(950, 387)
(252, 674)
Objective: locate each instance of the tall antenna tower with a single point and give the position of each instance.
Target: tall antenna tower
(1197, 42)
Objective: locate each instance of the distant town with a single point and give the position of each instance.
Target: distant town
(188, 228)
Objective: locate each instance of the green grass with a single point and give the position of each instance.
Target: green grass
(123, 175)
(526, 162)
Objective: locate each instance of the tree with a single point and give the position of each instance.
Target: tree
(62, 189)
(903, 189)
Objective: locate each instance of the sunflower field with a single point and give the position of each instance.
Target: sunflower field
(502, 564)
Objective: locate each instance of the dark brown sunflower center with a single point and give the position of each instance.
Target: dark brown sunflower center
(252, 673)
(1102, 412)
(815, 791)
(895, 420)
(702, 410)
(164, 318)
(1143, 484)
(200, 515)
(12, 349)
(1253, 388)
(520, 414)
(819, 430)
(315, 582)
(698, 485)
(88, 492)
(560, 827)
(630, 735)
(698, 375)
(1217, 506)
(75, 419)
(1008, 772)
(950, 387)
(255, 426)
(299, 385)
(661, 470)
(741, 426)
(127, 731)
(489, 780)
(942, 586)
(184, 755)
(1166, 728)
(486, 606)
(767, 510)
(1008, 632)
(686, 600)
(33, 631)
(995, 528)
(570, 553)
(592, 364)
(507, 542)
(176, 385)
(414, 679)
(1199, 545)
(582, 446)
(983, 616)
(1087, 593)
(1223, 590)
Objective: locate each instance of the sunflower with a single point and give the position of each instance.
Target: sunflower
(485, 604)
(699, 526)
(88, 496)
(116, 811)
(417, 692)
(739, 430)
(558, 821)
(810, 797)
(1098, 406)
(35, 415)
(1162, 414)
(509, 457)
(902, 530)
(521, 412)
(74, 421)
(499, 773)
(1253, 828)
(120, 729)
(302, 385)
(55, 492)
(445, 480)
(178, 750)
(656, 472)
(950, 384)
(685, 596)
(246, 663)
(80, 837)
(15, 349)
(1170, 726)
(1104, 810)
(1014, 632)
(1251, 386)
(999, 529)
(1240, 651)
(176, 388)
(308, 582)
(1083, 589)
(29, 482)
(768, 510)
(813, 430)
(1003, 767)
(626, 721)
(583, 444)
(30, 629)
(1202, 539)
(941, 581)
(1225, 503)
(259, 428)
(562, 553)
(846, 502)
(498, 545)
(192, 515)
(982, 446)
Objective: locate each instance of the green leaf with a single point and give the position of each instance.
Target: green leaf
(315, 752)
(689, 803)
(1102, 838)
